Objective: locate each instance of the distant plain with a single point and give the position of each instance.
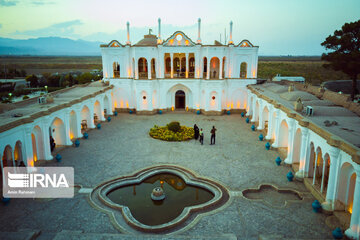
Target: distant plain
(309, 67)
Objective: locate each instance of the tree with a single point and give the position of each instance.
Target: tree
(345, 55)
(33, 80)
(54, 81)
(85, 78)
(70, 79)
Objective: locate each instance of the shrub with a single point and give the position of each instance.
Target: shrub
(163, 133)
(26, 97)
(174, 126)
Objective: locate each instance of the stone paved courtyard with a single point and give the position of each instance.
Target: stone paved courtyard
(238, 161)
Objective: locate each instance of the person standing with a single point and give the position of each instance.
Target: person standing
(201, 136)
(213, 130)
(196, 132)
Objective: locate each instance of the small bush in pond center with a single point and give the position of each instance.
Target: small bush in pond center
(174, 126)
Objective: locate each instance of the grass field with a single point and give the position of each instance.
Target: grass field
(309, 67)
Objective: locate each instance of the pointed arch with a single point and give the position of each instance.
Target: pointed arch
(98, 114)
(143, 68)
(116, 70)
(214, 68)
(18, 153)
(283, 135)
(37, 142)
(85, 118)
(170, 95)
(57, 131)
(297, 146)
(243, 70)
(7, 157)
(73, 123)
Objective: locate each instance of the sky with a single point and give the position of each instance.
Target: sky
(278, 27)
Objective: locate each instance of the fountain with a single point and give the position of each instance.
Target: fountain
(187, 196)
(158, 194)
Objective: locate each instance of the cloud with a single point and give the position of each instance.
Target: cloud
(137, 33)
(8, 3)
(63, 29)
(41, 2)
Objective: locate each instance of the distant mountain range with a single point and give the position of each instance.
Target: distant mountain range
(46, 46)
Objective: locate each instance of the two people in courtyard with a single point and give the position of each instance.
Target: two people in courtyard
(200, 133)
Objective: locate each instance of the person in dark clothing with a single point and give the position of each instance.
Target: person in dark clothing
(52, 143)
(201, 136)
(213, 130)
(196, 132)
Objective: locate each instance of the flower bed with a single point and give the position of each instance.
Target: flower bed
(163, 133)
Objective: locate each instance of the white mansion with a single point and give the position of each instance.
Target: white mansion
(178, 73)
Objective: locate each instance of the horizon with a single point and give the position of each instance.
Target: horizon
(278, 28)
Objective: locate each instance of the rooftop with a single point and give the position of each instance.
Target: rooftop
(348, 122)
(13, 115)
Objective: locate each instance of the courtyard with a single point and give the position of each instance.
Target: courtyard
(123, 146)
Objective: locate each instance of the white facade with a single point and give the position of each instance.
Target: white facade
(331, 171)
(146, 76)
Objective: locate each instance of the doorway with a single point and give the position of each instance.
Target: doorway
(180, 99)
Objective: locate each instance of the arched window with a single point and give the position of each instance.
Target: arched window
(142, 67)
(116, 70)
(243, 70)
(205, 67)
(167, 65)
(223, 67)
(214, 68)
(176, 67)
(153, 69)
(191, 67)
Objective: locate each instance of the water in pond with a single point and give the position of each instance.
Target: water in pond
(178, 196)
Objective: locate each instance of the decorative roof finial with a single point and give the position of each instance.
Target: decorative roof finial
(128, 33)
(199, 39)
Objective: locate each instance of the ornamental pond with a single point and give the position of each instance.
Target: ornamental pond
(178, 195)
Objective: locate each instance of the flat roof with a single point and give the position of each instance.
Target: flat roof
(348, 122)
(30, 109)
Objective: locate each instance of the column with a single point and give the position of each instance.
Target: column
(315, 168)
(78, 133)
(46, 139)
(172, 64)
(276, 124)
(221, 68)
(248, 112)
(91, 123)
(303, 153)
(2, 169)
(149, 69)
(253, 118)
(67, 128)
(187, 65)
(329, 203)
(354, 230)
(261, 124)
(207, 67)
(269, 131)
(13, 159)
(136, 69)
(29, 155)
(291, 126)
